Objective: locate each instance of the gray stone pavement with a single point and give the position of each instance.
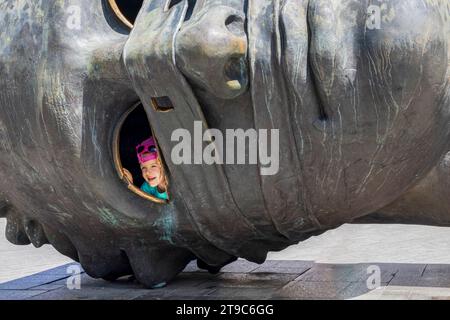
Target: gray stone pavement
(275, 279)
(21, 261)
(413, 261)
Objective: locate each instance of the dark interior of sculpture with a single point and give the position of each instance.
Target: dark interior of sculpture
(129, 8)
(134, 130)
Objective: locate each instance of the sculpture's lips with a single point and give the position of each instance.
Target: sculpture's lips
(163, 79)
(326, 94)
(326, 161)
(203, 188)
(271, 36)
(343, 97)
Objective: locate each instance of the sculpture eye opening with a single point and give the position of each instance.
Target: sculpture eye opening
(126, 10)
(132, 130)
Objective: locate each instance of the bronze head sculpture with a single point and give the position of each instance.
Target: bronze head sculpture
(362, 105)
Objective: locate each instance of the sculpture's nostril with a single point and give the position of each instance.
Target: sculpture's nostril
(235, 24)
(235, 69)
(235, 73)
(212, 52)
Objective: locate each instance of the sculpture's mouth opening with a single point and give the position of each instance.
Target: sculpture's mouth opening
(126, 10)
(132, 130)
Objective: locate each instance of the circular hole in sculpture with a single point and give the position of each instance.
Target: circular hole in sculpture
(126, 10)
(137, 157)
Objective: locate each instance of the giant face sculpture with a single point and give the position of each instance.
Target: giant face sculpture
(361, 103)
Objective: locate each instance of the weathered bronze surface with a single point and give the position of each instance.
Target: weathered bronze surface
(362, 105)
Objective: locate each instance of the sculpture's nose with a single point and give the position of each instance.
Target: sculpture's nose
(212, 51)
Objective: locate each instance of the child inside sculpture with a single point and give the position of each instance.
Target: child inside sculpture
(152, 170)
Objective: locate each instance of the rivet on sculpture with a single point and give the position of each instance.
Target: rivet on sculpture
(362, 104)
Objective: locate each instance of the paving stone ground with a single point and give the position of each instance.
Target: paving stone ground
(21, 261)
(245, 281)
(413, 263)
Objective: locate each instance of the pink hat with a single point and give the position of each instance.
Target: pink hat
(147, 151)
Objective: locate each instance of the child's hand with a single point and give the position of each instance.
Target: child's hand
(127, 174)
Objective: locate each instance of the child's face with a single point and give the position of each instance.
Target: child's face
(151, 171)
